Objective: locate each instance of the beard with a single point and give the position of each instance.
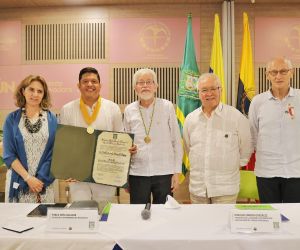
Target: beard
(146, 96)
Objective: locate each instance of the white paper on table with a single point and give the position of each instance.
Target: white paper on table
(171, 203)
(255, 221)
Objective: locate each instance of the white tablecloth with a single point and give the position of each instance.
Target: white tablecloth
(38, 239)
(189, 227)
(196, 227)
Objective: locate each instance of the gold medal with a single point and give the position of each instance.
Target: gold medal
(90, 130)
(147, 139)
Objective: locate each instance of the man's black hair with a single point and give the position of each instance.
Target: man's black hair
(89, 70)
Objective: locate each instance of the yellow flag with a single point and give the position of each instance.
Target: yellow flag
(246, 88)
(216, 60)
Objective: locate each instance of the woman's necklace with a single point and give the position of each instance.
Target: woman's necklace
(32, 127)
(147, 138)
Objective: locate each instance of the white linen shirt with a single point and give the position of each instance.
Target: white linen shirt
(109, 118)
(217, 146)
(276, 135)
(163, 155)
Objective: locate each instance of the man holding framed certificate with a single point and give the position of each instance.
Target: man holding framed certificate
(92, 112)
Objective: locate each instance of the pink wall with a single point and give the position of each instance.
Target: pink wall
(10, 43)
(277, 37)
(137, 40)
(131, 40)
(61, 79)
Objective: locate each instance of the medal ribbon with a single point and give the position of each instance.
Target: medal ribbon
(89, 119)
(147, 131)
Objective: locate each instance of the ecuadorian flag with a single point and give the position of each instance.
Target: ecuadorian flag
(246, 88)
(216, 59)
(188, 98)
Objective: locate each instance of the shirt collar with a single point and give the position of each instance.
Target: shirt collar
(150, 106)
(93, 106)
(270, 95)
(217, 111)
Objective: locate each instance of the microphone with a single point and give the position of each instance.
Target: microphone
(146, 212)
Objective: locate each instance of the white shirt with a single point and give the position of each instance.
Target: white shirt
(276, 135)
(109, 118)
(163, 155)
(217, 146)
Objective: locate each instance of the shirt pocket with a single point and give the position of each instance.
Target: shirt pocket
(226, 141)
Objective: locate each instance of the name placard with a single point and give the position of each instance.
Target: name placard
(72, 220)
(255, 220)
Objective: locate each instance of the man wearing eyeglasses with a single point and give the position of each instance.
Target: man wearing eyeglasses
(156, 166)
(217, 139)
(275, 123)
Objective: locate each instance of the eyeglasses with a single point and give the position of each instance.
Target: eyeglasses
(143, 83)
(211, 90)
(281, 72)
(86, 82)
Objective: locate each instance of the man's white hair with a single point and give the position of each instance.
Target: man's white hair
(203, 78)
(141, 72)
(286, 61)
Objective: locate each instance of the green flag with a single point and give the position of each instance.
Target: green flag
(188, 98)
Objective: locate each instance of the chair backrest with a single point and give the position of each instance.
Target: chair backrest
(248, 187)
(1, 152)
(3, 170)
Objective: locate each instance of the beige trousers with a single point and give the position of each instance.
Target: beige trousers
(226, 199)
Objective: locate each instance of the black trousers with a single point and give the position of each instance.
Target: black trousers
(278, 190)
(141, 188)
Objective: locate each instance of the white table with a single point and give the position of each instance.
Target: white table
(38, 239)
(188, 228)
(196, 227)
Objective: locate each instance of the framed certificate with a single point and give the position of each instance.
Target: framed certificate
(91, 155)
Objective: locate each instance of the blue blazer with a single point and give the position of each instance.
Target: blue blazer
(13, 148)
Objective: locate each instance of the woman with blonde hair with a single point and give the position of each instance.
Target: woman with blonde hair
(28, 138)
